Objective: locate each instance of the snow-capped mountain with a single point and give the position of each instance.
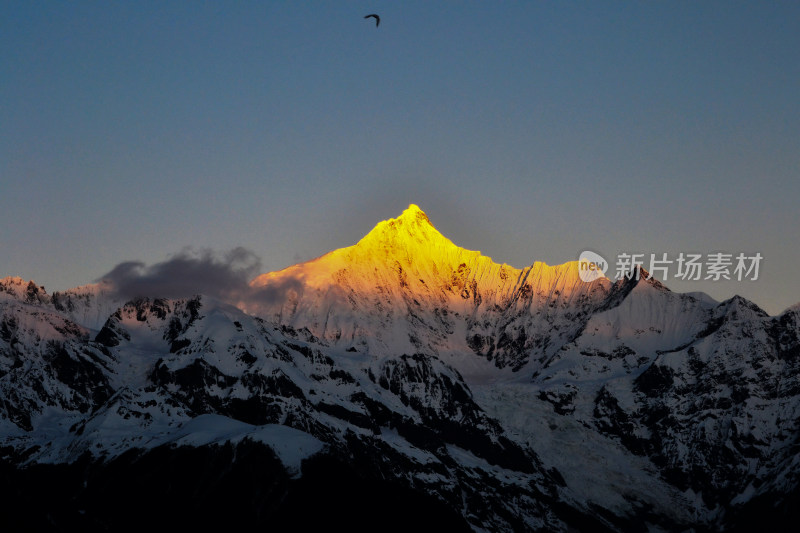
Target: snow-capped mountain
(417, 373)
(405, 287)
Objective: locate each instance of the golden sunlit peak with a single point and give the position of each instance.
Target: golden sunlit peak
(411, 234)
(413, 212)
(412, 219)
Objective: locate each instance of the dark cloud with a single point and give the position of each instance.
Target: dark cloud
(224, 276)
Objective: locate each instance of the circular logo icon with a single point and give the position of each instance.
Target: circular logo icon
(591, 266)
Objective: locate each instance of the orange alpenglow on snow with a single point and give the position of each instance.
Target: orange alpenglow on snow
(405, 268)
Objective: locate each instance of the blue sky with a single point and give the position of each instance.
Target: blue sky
(530, 131)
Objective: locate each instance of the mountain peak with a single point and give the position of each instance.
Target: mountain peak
(23, 290)
(413, 212)
(411, 230)
(412, 215)
(408, 244)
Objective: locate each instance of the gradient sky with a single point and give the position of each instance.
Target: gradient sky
(530, 131)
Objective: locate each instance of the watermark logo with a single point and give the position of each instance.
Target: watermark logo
(591, 266)
(683, 266)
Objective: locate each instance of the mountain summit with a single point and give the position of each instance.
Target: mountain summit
(409, 241)
(412, 233)
(405, 274)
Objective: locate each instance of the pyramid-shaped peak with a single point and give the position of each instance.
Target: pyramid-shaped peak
(412, 209)
(414, 213)
(409, 238)
(412, 223)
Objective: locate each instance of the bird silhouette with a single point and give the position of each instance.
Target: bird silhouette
(376, 17)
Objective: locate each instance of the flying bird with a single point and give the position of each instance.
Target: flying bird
(376, 17)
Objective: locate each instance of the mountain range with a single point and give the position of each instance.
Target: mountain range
(399, 382)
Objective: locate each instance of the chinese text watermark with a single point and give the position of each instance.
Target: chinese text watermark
(683, 266)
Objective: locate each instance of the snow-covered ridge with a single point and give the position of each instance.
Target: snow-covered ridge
(16, 288)
(88, 305)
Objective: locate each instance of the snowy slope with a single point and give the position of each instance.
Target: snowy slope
(196, 372)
